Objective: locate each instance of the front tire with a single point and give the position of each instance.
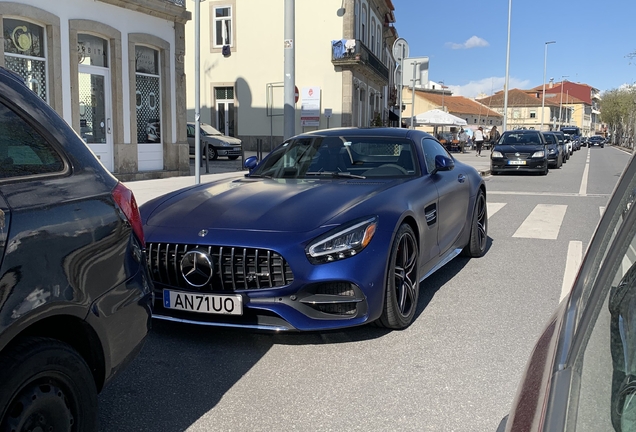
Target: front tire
(402, 284)
(46, 385)
(232, 157)
(212, 154)
(476, 246)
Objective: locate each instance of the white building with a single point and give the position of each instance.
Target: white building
(113, 69)
(342, 52)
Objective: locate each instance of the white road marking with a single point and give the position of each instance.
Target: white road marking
(544, 222)
(586, 172)
(575, 256)
(601, 210)
(551, 194)
(494, 208)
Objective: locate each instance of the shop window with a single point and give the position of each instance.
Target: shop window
(148, 94)
(25, 53)
(92, 50)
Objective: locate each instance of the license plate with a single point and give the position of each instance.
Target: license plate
(203, 303)
(513, 162)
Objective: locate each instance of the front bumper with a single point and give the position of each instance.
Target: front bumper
(530, 165)
(228, 151)
(303, 297)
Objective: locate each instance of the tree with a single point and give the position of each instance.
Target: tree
(618, 108)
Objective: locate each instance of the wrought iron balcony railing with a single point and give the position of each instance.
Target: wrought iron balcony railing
(354, 52)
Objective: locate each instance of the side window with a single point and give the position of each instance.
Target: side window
(431, 149)
(23, 151)
(606, 362)
(190, 131)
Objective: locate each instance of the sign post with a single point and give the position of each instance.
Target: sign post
(400, 52)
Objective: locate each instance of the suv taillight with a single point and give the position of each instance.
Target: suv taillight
(126, 202)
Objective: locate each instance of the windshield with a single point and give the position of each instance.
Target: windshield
(551, 139)
(343, 156)
(206, 129)
(516, 138)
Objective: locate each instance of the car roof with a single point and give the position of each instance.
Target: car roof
(9, 74)
(376, 132)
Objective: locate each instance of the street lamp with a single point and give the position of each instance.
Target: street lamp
(545, 65)
(505, 118)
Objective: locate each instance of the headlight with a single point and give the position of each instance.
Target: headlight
(342, 242)
(496, 154)
(539, 154)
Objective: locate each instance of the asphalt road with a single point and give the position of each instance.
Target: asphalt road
(456, 368)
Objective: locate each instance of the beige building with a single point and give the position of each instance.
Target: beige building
(343, 68)
(113, 69)
(476, 114)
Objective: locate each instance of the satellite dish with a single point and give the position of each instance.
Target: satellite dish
(400, 49)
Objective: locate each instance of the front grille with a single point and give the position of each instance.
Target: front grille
(235, 268)
(521, 155)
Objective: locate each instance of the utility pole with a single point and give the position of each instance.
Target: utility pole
(197, 91)
(561, 103)
(289, 112)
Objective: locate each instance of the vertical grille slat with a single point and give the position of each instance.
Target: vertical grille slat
(232, 269)
(236, 268)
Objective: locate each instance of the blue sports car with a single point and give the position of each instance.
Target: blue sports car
(334, 228)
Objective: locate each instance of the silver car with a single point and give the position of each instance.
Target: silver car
(217, 143)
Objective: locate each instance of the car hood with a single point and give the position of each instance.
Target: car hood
(221, 138)
(519, 148)
(288, 205)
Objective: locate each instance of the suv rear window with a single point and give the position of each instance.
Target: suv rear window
(23, 151)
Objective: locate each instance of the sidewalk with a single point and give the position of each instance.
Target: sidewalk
(146, 190)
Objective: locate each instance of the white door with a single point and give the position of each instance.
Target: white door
(95, 112)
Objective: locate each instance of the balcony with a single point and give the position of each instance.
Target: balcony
(354, 53)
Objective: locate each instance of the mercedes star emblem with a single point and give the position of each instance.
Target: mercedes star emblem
(203, 233)
(517, 154)
(197, 268)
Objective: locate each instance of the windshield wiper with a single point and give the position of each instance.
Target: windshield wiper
(334, 174)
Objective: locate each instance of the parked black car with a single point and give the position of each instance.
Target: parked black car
(596, 140)
(217, 143)
(75, 293)
(520, 150)
(556, 150)
(581, 374)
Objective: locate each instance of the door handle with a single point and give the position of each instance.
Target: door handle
(108, 125)
(461, 178)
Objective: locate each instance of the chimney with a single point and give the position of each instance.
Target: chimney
(551, 82)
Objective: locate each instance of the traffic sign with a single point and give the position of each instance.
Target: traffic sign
(400, 49)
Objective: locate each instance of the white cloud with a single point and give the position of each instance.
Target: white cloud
(472, 42)
(487, 86)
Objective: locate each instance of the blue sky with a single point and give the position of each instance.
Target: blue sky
(466, 42)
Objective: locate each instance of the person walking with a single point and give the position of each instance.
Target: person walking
(463, 139)
(478, 139)
(494, 136)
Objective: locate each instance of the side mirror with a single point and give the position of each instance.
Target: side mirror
(250, 163)
(443, 163)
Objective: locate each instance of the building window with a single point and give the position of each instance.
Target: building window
(25, 53)
(373, 35)
(148, 94)
(356, 13)
(533, 114)
(378, 44)
(223, 27)
(363, 25)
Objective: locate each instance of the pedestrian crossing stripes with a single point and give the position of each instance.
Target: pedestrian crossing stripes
(544, 222)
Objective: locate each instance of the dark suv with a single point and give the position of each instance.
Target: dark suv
(75, 293)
